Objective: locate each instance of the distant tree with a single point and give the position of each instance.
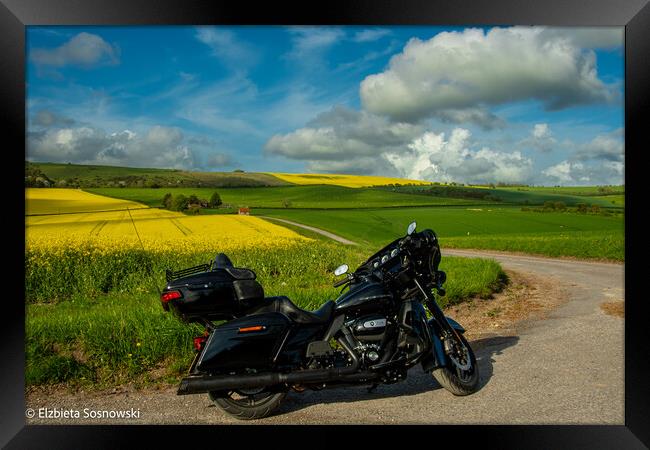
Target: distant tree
(595, 209)
(194, 209)
(193, 200)
(549, 205)
(238, 171)
(215, 200)
(167, 200)
(560, 206)
(180, 203)
(581, 207)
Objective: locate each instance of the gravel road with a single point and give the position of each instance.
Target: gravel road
(333, 236)
(565, 369)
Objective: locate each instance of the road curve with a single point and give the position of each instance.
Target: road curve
(566, 369)
(333, 236)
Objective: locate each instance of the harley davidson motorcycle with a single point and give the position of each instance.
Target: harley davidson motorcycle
(372, 334)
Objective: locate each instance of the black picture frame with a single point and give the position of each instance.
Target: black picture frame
(15, 15)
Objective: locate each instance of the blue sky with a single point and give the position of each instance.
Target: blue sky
(473, 105)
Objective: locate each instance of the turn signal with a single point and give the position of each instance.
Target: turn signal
(250, 329)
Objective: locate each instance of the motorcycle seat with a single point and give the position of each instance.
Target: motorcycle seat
(295, 313)
(222, 262)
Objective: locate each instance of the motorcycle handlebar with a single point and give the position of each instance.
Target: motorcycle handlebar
(342, 282)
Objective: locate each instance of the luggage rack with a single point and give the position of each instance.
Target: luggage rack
(170, 275)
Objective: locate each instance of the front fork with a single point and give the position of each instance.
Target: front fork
(444, 332)
(438, 315)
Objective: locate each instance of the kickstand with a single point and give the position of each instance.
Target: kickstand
(372, 388)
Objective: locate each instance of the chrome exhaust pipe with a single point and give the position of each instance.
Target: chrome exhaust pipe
(206, 383)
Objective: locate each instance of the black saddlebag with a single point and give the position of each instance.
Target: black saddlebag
(204, 292)
(247, 344)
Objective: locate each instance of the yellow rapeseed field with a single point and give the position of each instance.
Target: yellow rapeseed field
(56, 201)
(159, 230)
(353, 181)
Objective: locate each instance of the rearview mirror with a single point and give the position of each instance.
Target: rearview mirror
(411, 228)
(340, 270)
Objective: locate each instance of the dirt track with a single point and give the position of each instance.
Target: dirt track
(564, 369)
(332, 236)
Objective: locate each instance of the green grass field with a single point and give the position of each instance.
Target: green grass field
(310, 196)
(497, 228)
(585, 191)
(93, 175)
(374, 216)
(108, 326)
(534, 195)
(614, 200)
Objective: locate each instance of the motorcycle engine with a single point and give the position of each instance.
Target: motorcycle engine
(369, 331)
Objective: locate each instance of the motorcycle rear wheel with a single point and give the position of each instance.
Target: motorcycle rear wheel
(248, 405)
(457, 378)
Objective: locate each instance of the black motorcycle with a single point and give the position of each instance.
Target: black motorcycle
(372, 334)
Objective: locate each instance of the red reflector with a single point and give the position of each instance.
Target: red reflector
(171, 295)
(199, 342)
(249, 329)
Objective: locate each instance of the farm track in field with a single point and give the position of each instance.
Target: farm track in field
(182, 228)
(98, 228)
(333, 236)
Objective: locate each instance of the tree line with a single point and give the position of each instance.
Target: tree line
(191, 203)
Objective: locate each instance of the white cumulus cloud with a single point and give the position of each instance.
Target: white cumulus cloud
(342, 133)
(574, 173)
(472, 68)
(84, 49)
(158, 147)
(540, 131)
(609, 147)
(588, 37)
(541, 138)
(436, 159)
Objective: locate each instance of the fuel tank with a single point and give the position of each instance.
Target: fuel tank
(364, 298)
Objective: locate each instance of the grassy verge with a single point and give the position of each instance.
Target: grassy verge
(508, 228)
(81, 332)
(608, 246)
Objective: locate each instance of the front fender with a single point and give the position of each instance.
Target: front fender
(436, 358)
(455, 325)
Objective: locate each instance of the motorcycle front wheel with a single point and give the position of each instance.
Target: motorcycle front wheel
(247, 404)
(460, 376)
